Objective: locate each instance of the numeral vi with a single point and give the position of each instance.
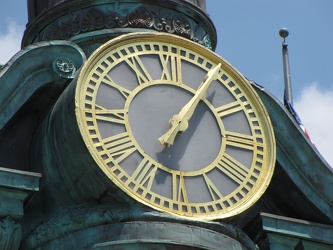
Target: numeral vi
(145, 173)
(179, 188)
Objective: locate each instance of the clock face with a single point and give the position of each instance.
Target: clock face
(133, 97)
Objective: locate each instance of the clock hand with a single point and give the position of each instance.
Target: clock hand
(179, 122)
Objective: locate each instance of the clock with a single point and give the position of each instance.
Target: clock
(175, 126)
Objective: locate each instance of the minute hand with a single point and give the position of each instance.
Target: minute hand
(179, 122)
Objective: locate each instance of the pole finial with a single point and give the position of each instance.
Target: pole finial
(283, 33)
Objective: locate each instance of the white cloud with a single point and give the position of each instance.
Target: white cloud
(10, 41)
(315, 108)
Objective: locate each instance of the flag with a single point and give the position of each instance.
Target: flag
(293, 112)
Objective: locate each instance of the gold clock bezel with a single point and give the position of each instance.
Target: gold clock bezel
(207, 211)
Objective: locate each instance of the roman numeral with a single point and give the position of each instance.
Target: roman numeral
(213, 190)
(110, 115)
(171, 68)
(107, 80)
(139, 69)
(229, 108)
(145, 173)
(240, 140)
(119, 146)
(235, 170)
(179, 188)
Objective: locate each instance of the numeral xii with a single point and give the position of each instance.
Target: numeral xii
(171, 67)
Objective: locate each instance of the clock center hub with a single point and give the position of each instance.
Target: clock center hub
(149, 115)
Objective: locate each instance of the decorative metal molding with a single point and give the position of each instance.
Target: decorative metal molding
(10, 234)
(87, 216)
(64, 67)
(127, 16)
(34, 74)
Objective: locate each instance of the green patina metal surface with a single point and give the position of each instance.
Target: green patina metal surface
(112, 226)
(279, 233)
(299, 158)
(15, 187)
(21, 77)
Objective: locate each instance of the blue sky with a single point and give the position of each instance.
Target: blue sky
(248, 38)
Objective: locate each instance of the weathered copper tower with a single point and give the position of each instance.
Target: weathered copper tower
(53, 191)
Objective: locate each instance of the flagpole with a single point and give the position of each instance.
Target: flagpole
(286, 69)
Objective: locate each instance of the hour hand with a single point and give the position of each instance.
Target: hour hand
(177, 124)
(169, 137)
